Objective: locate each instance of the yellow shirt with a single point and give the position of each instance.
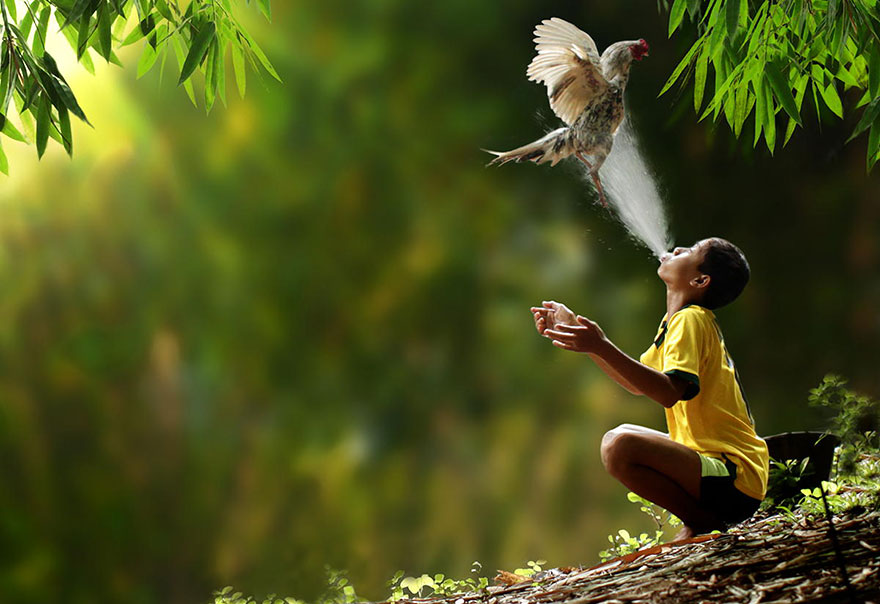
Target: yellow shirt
(712, 418)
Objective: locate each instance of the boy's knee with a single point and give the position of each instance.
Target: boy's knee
(616, 446)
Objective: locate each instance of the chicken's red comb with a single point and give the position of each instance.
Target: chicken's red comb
(639, 50)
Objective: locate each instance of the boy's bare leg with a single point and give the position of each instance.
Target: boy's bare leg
(660, 470)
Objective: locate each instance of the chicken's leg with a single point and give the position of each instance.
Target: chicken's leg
(594, 173)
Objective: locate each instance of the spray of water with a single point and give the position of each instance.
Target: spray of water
(632, 191)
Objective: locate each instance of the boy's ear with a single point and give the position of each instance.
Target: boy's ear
(702, 281)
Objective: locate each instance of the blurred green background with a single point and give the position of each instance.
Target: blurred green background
(237, 348)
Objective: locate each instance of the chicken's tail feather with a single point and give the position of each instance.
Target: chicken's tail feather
(553, 147)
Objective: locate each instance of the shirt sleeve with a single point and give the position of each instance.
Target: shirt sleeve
(681, 351)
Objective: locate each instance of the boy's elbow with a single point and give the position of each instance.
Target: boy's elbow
(669, 402)
(675, 392)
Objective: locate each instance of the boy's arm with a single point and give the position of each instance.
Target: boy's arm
(613, 374)
(589, 338)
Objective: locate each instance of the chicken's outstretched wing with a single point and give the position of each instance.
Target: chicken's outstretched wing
(568, 64)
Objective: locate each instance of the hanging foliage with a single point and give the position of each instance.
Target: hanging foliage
(197, 33)
(767, 56)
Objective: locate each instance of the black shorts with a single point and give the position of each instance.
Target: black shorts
(718, 494)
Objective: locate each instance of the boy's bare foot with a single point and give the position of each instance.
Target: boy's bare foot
(686, 532)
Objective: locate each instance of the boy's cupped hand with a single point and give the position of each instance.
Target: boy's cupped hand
(586, 336)
(566, 329)
(552, 314)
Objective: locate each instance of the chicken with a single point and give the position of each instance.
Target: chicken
(585, 92)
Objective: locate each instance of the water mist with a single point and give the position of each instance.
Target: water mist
(632, 191)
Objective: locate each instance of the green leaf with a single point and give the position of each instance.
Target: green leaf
(165, 10)
(729, 109)
(760, 109)
(769, 118)
(114, 59)
(197, 51)
(211, 76)
(681, 66)
(26, 23)
(874, 70)
(10, 6)
(813, 89)
(43, 126)
(718, 33)
(782, 89)
(64, 127)
(81, 9)
(146, 61)
(724, 79)
(220, 71)
(700, 80)
(239, 69)
(818, 75)
(265, 9)
(148, 28)
(264, 60)
(135, 35)
(39, 45)
(869, 116)
(12, 132)
(105, 35)
(187, 85)
(4, 162)
(800, 88)
(32, 92)
(27, 122)
(846, 76)
(741, 105)
(63, 89)
(831, 98)
(82, 37)
(6, 89)
(754, 71)
(50, 90)
(733, 8)
(676, 14)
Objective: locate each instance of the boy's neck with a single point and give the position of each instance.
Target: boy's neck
(677, 299)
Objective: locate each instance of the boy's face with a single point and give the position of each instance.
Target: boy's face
(680, 267)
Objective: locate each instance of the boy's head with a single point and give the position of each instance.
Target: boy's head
(713, 270)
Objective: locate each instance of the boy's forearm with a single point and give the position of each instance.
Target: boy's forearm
(613, 374)
(643, 379)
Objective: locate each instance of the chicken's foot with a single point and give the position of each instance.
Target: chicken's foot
(595, 176)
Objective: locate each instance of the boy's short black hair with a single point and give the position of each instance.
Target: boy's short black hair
(727, 266)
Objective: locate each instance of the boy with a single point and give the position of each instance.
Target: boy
(711, 469)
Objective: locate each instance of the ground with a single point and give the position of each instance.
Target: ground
(770, 558)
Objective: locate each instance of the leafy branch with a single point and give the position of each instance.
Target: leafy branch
(768, 56)
(199, 34)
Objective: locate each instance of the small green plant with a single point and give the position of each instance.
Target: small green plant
(856, 421)
(228, 596)
(623, 543)
(437, 585)
(339, 588)
(811, 501)
(532, 568)
(782, 490)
